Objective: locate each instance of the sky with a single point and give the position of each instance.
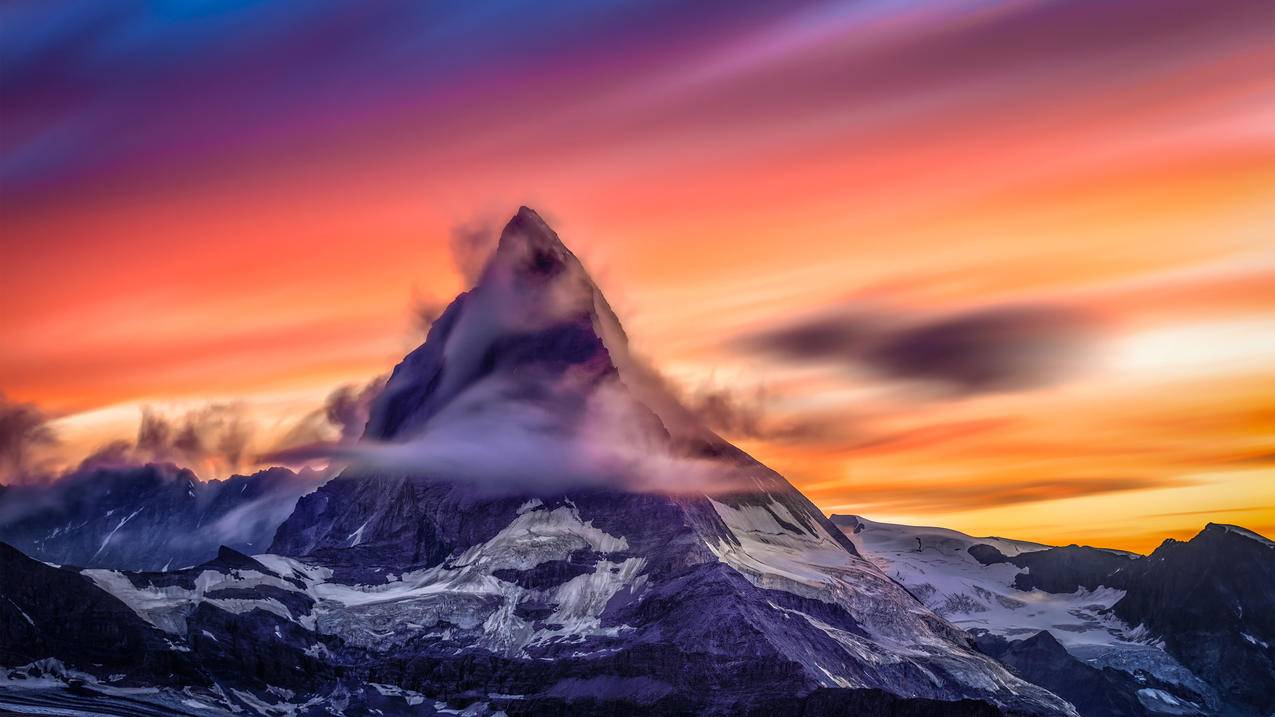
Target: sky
(1004, 267)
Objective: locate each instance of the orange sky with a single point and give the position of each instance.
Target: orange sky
(244, 207)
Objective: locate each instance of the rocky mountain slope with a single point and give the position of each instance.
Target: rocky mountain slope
(532, 525)
(1211, 602)
(1185, 630)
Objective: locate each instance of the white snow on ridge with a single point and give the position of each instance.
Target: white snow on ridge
(776, 554)
(935, 566)
(167, 607)
(889, 536)
(1245, 532)
(813, 564)
(463, 591)
(535, 536)
(106, 541)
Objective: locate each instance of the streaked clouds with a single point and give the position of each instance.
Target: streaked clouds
(210, 203)
(942, 496)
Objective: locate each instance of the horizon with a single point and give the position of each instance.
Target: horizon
(927, 263)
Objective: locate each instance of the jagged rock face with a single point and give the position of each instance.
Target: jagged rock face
(147, 517)
(1212, 602)
(48, 612)
(1096, 692)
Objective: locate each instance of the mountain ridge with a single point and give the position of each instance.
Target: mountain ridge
(1187, 626)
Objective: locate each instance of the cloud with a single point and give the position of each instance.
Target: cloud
(731, 413)
(984, 350)
(497, 445)
(216, 433)
(1214, 511)
(25, 436)
(471, 244)
(751, 415)
(425, 312)
(926, 436)
(954, 496)
(348, 407)
(341, 419)
(213, 440)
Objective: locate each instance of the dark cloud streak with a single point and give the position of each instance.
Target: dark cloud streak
(751, 415)
(985, 350)
(339, 421)
(944, 497)
(24, 434)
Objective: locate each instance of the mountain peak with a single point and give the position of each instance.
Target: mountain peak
(1224, 529)
(534, 330)
(529, 221)
(1044, 640)
(529, 247)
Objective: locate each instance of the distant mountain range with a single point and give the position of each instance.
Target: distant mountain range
(1185, 630)
(148, 517)
(534, 527)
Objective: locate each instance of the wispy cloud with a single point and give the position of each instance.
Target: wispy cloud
(984, 350)
(25, 437)
(961, 495)
(213, 440)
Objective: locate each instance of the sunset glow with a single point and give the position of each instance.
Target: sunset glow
(248, 204)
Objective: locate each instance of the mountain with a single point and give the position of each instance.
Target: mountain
(532, 525)
(147, 517)
(1186, 630)
(724, 585)
(1211, 601)
(1094, 691)
(1062, 569)
(48, 611)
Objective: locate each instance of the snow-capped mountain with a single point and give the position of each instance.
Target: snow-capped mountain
(1186, 630)
(147, 517)
(532, 525)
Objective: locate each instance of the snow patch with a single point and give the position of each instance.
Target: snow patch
(166, 607)
(1155, 695)
(31, 622)
(116, 529)
(357, 536)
